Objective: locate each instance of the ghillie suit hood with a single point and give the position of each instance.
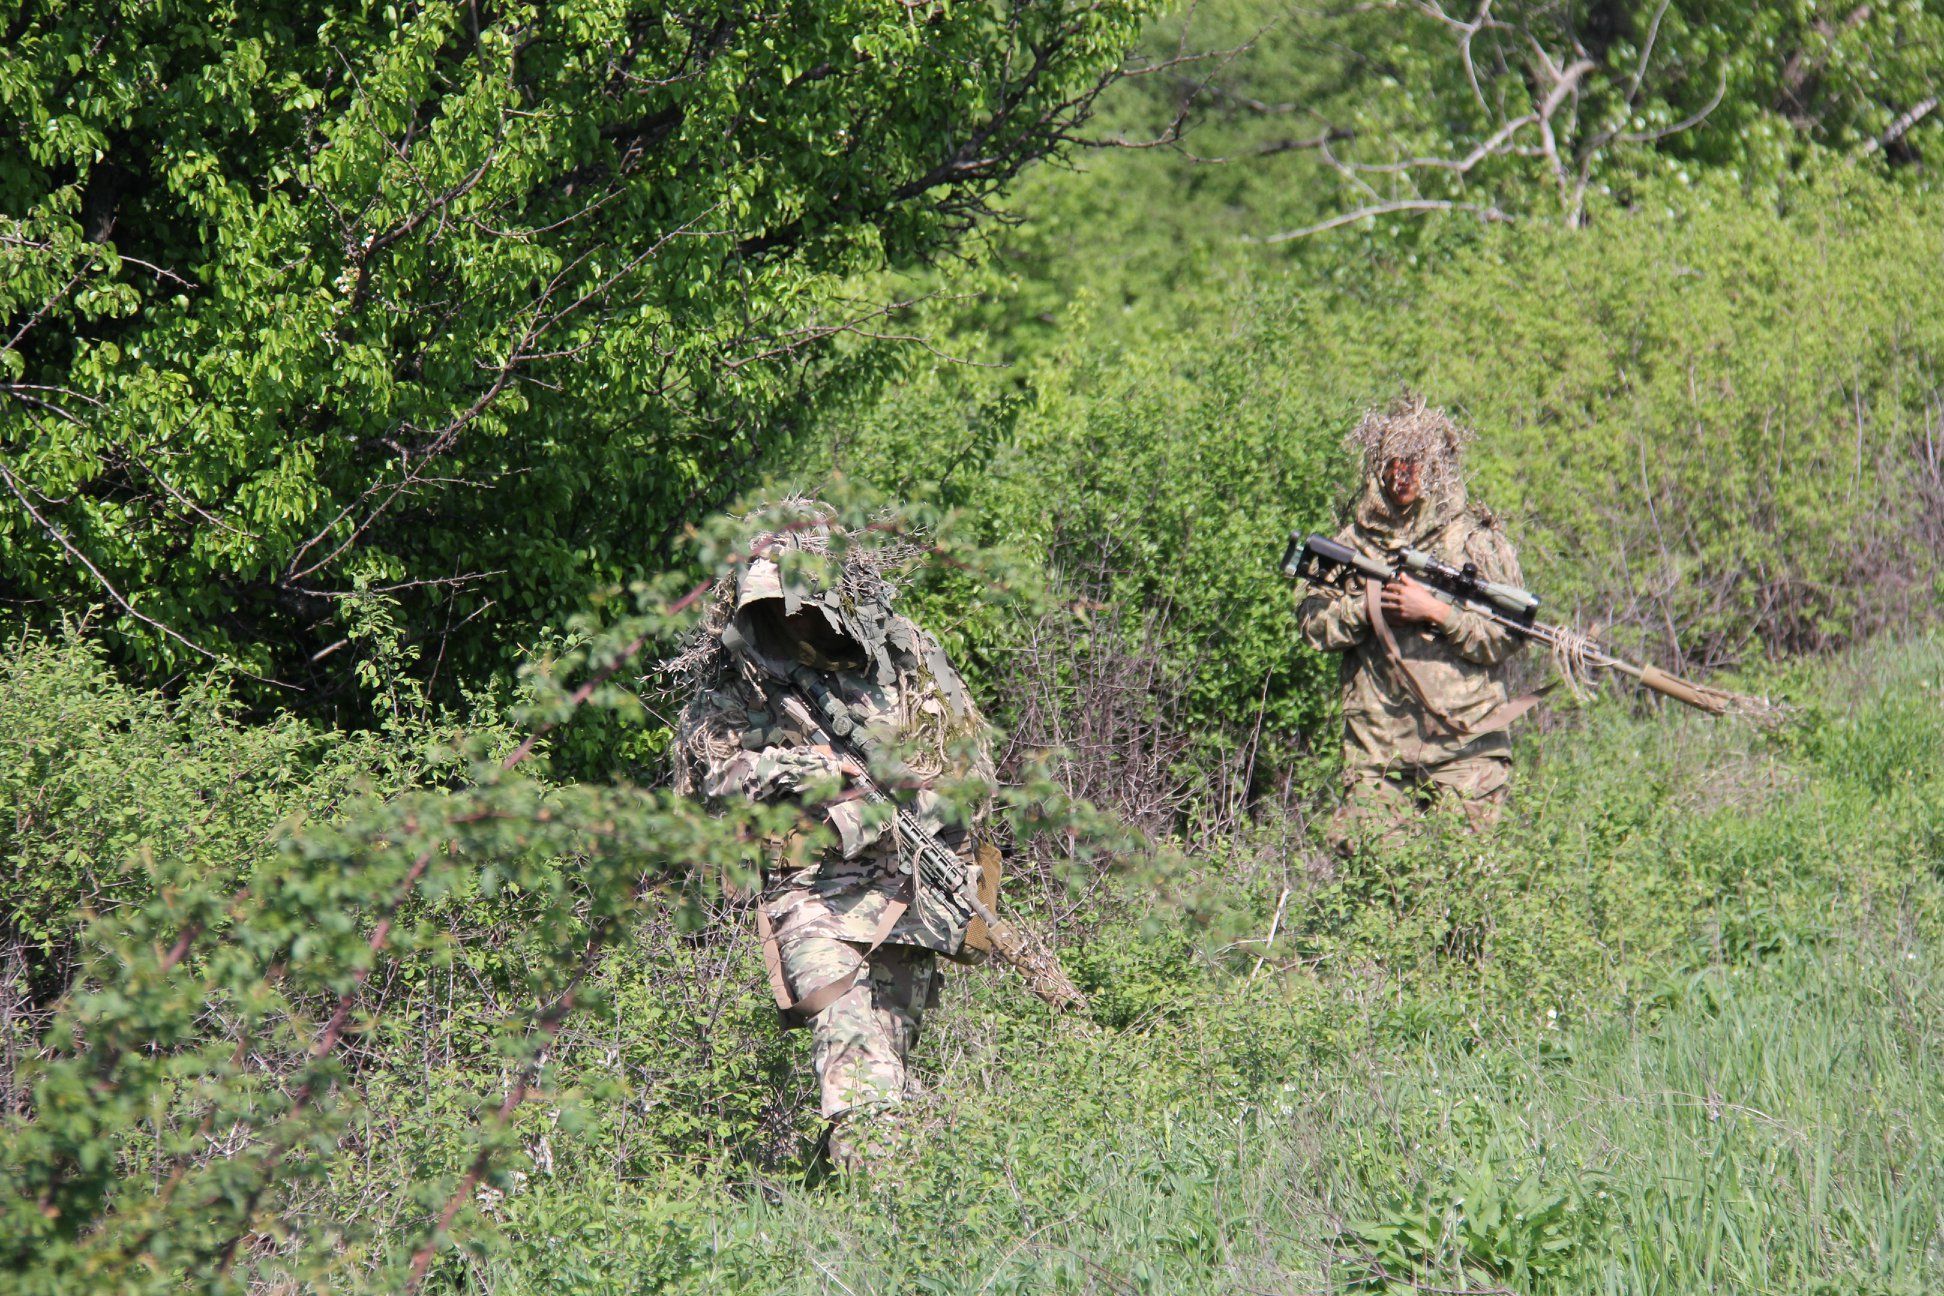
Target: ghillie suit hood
(849, 587)
(1410, 429)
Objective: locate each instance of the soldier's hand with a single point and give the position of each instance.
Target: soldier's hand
(1406, 600)
(845, 765)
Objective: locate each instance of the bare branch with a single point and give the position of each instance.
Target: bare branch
(1687, 123)
(1646, 52)
(60, 537)
(1491, 146)
(22, 392)
(1485, 213)
(1319, 141)
(159, 272)
(1901, 127)
(45, 307)
(1566, 83)
(455, 582)
(798, 338)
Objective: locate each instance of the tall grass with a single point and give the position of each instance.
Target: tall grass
(1690, 1044)
(1778, 1128)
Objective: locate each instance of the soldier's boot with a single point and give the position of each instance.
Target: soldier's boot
(861, 1139)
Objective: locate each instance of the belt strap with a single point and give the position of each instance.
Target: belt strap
(805, 1007)
(1494, 720)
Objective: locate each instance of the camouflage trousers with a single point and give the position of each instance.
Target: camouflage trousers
(1380, 804)
(858, 1044)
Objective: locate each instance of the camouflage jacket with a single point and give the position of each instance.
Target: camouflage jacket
(768, 755)
(1459, 663)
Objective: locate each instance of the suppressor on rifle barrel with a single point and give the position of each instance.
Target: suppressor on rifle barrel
(1319, 559)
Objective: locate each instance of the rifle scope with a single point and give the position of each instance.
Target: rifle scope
(1322, 561)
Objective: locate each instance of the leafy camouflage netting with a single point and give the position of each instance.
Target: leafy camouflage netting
(803, 560)
(869, 571)
(1410, 429)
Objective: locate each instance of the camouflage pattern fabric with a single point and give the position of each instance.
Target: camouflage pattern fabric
(1395, 753)
(857, 673)
(859, 1044)
(842, 893)
(1377, 807)
(889, 693)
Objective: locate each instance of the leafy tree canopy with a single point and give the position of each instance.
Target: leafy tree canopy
(460, 307)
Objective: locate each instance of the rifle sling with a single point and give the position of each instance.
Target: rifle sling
(1496, 719)
(800, 1009)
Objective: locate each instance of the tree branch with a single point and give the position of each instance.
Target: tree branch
(1483, 212)
(60, 537)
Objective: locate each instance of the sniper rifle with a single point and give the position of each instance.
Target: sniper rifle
(1325, 563)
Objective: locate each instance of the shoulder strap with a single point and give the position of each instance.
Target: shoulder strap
(1374, 605)
(1494, 720)
(802, 1008)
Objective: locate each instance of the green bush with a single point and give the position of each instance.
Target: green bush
(109, 789)
(1707, 425)
(291, 1007)
(1703, 423)
(476, 306)
(315, 1002)
(1475, 1228)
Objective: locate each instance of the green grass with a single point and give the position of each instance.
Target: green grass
(1772, 1129)
(1672, 1029)
(1690, 1044)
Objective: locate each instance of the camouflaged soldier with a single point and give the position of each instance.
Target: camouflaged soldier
(1425, 702)
(791, 656)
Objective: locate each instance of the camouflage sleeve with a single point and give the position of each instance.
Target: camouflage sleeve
(785, 771)
(730, 749)
(1332, 621)
(773, 772)
(1479, 638)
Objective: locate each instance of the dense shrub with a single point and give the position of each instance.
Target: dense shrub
(289, 1007)
(1710, 427)
(1666, 892)
(478, 305)
(1717, 425)
(106, 787)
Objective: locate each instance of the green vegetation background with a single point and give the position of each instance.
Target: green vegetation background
(1674, 1030)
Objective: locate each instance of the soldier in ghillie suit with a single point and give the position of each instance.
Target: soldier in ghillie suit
(1425, 702)
(798, 654)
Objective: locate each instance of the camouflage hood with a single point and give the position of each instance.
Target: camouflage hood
(865, 635)
(756, 632)
(1409, 429)
(859, 628)
(1387, 528)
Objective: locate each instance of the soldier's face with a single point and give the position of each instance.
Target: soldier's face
(1403, 484)
(817, 645)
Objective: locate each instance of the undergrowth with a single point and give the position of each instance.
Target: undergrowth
(1671, 1029)
(1674, 1029)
